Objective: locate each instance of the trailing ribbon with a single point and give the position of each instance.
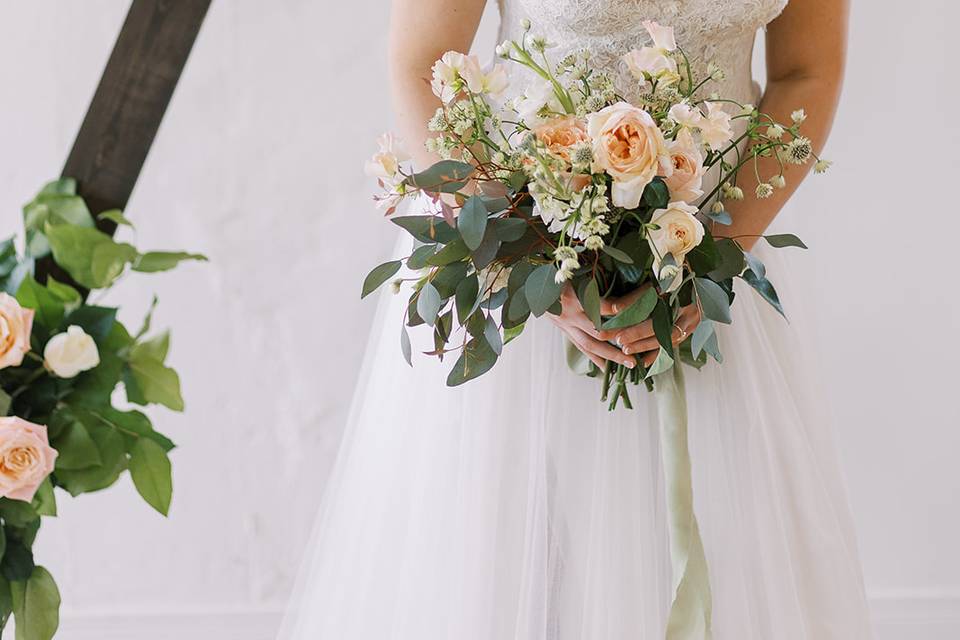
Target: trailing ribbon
(692, 606)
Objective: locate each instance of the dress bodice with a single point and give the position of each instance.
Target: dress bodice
(720, 31)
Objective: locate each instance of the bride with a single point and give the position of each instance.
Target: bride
(517, 507)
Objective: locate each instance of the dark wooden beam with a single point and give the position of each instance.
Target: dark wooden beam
(128, 106)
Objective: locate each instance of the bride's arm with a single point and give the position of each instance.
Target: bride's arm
(420, 32)
(806, 46)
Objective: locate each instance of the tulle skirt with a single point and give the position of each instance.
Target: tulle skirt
(516, 507)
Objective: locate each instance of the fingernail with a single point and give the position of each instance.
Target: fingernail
(616, 308)
(629, 364)
(626, 351)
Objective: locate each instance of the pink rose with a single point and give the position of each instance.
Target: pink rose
(559, 135)
(26, 458)
(687, 176)
(15, 325)
(629, 146)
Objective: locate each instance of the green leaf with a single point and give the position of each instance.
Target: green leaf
(44, 501)
(155, 348)
(378, 276)
(512, 332)
(116, 217)
(701, 334)
(91, 257)
(485, 254)
(418, 259)
(158, 384)
(589, 296)
(446, 176)
(6, 599)
(454, 251)
(17, 563)
(731, 261)
(429, 303)
(76, 448)
(509, 229)
(48, 307)
(517, 307)
(405, 346)
(60, 187)
(722, 217)
(541, 289)
(472, 221)
(663, 324)
(36, 606)
(112, 449)
(491, 332)
(69, 296)
(781, 240)
(5, 402)
(17, 513)
(765, 288)
(150, 470)
(476, 359)
(428, 229)
(704, 257)
(98, 322)
(132, 425)
(447, 278)
(154, 261)
(617, 254)
(713, 300)
(755, 264)
(466, 297)
(664, 362)
(656, 195)
(636, 313)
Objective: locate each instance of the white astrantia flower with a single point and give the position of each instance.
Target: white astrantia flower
(570, 264)
(798, 116)
(564, 253)
(778, 181)
(593, 243)
(395, 286)
(799, 150)
(562, 275)
(717, 207)
(821, 166)
(671, 273)
(764, 190)
(69, 353)
(775, 132)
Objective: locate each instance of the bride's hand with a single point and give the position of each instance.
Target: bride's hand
(581, 332)
(640, 338)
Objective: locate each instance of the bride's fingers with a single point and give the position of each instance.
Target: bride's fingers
(685, 325)
(613, 306)
(604, 350)
(631, 334)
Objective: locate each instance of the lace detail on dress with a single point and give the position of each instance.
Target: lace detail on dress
(708, 30)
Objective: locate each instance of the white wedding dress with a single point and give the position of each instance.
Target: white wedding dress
(516, 507)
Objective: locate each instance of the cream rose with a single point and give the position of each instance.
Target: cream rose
(629, 146)
(715, 127)
(26, 458)
(15, 325)
(67, 354)
(679, 233)
(687, 176)
(559, 135)
(385, 164)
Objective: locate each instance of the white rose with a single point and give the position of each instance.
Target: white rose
(67, 354)
(679, 233)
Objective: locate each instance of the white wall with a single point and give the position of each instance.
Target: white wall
(258, 165)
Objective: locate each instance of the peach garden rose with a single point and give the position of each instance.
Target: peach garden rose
(559, 135)
(678, 233)
(686, 178)
(26, 458)
(15, 325)
(629, 146)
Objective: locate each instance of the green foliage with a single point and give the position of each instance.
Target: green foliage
(378, 276)
(95, 442)
(713, 300)
(472, 222)
(446, 176)
(541, 289)
(637, 312)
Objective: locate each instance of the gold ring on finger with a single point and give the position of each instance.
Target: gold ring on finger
(683, 332)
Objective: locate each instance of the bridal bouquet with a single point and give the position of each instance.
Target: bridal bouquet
(62, 361)
(570, 185)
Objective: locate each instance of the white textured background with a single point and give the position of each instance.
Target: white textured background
(258, 165)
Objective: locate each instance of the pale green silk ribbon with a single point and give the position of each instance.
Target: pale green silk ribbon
(692, 606)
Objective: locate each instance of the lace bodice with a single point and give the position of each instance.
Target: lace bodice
(721, 31)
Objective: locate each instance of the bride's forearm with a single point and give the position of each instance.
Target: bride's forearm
(752, 215)
(420, 32)
(806, 47)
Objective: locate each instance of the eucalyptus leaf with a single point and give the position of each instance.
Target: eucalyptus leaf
(781, 240)
(731, 262)
(517, 306)
(509, 229)
(466, 298)
(472, 221)
(446, 176)
(378, 276)
(766, 290)
(617, 254)
(701, 334)
(418, 259)
(589, 295)
(429, 303)
(663, 324)
(491, 333)
(428, 229)
(454, 251)
(512, 333)
(755, 264)
(405, 346)
(637, 312)
(542, 289)
(663, 363)
(713, 300)
(722, 217)
(476, 359)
